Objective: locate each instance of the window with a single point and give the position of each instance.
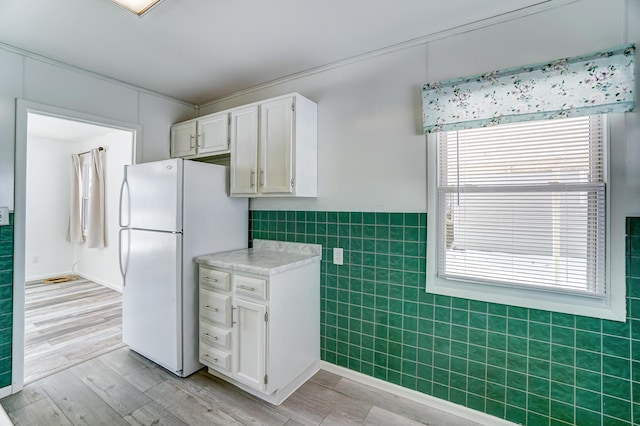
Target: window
(519, 213)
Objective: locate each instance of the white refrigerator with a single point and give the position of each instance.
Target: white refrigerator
(170, 212)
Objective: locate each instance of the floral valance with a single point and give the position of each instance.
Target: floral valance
(595, 84)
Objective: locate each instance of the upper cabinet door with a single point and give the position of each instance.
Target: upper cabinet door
(276, 146)
(213, 133)
(244, 151)
(183, 139)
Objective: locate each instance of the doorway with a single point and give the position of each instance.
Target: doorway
(80, 311)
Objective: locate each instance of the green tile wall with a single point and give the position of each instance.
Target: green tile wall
(6, 301)
(528, 366)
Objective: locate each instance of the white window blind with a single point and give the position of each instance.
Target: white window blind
(524, 205)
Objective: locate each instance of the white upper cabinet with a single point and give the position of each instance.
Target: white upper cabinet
(213, 133)
(203, 136)
(286, 154)
(183, 139)
(244, 151)
(272, 145)
(276, 147)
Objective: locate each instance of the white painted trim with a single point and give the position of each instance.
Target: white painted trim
(613, 308)
(45, 276)
(23, 109)
(81, 275)
(542, 6)
(104, 283)
(5, 391)
(50, 61)
(4, 418)
(415, 396)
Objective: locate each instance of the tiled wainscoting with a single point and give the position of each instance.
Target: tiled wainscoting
(6, 301)
(524, 365)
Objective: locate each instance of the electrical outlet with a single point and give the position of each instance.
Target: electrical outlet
(36, 259)
(337, 256)
(4, 216)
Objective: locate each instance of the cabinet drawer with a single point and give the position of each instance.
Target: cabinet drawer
(215, 336)
(215, 307)
(210, 278)
(215, 358)
(253, 287)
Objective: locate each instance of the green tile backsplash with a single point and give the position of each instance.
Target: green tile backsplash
(6, 301)
(524, 365)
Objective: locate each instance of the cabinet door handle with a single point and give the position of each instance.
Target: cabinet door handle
(252, 178)
(208, 336)
(244, 287)
(261, 177)
(211, 308)
(212, 359)
(199, 144)
(191, 137)
(214, 280)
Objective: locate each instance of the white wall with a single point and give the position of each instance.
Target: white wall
(101, 264)
(47, 208)
(48, 175)
(24, 76)
(371, 155)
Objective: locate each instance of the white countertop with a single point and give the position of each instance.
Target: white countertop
(265, 258)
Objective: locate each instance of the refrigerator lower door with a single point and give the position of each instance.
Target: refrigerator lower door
(152, 296)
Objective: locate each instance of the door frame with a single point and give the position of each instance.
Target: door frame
(23, 109)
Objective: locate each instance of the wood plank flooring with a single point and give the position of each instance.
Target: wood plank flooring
(68, 323)
(77, 372)
(124, 388)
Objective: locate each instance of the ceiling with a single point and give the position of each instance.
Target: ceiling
(200, 50)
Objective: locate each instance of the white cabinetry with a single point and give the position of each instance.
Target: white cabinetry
(244, 150)
(200, 137)
(261, 332)
(272, 145)
(285, 151)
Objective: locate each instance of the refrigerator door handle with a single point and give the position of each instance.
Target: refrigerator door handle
(125, 183)
(123, 265)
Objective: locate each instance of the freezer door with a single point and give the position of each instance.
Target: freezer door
(151, 196)
(152, 295)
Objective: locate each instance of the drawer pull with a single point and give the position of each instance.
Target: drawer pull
(212, 359)
(208, 336)
(214, 280)
(244, 287)
(211, 308)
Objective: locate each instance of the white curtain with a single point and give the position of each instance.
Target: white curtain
(96, 237)
(74, 232)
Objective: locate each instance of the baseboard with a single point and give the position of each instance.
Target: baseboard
(43, 277)
(415, 396)
(4, 418)
(110, 285)
(5, 391)
(89, 277)
(278, 396)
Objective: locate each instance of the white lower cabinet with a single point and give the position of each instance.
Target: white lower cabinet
(261, 333)
(250, 336)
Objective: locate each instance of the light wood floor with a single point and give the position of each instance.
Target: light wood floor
(78, 373)
(68, 323)
(123, 388)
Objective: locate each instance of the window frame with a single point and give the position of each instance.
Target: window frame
(612, 307)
